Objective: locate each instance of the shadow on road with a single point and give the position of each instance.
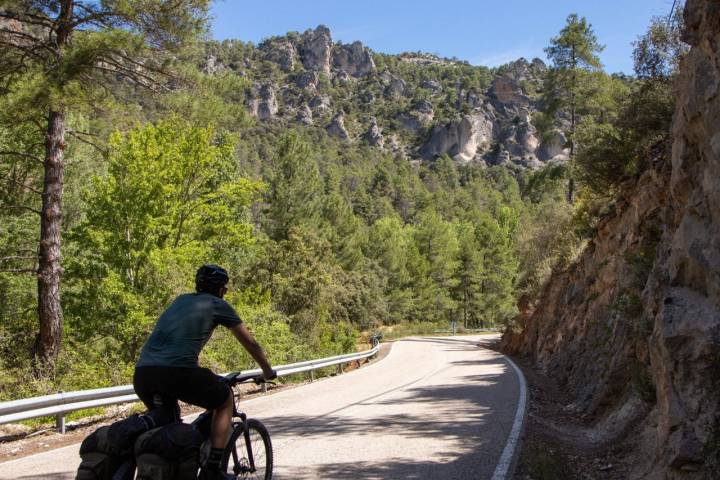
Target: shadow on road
(481, 396)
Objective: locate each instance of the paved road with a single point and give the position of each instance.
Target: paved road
(434, 408)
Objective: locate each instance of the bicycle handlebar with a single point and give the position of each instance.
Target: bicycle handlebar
(234, 378)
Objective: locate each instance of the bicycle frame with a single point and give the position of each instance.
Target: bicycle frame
(239, 420)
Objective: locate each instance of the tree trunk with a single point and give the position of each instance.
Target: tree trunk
(47, 345)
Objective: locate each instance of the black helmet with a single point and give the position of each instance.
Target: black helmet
(210, 278)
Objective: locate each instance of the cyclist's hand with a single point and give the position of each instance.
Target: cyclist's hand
(270, 374)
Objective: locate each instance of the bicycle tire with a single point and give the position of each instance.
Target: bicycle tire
(235, 458)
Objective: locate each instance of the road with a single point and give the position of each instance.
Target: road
(433, 408)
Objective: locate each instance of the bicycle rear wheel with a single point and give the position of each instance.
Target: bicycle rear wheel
(253, 460)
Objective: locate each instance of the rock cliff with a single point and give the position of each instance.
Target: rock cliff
(426, 103)
(632, 328)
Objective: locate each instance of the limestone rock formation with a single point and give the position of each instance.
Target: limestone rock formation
(554, 147)
(396, 88)
(507, 94)
(308, 80)
(304, 115)
(354, 58)
(341, 77)
(268, 107)
(373, 136)
(521, 142)
(640, 341)
(213, 65)
(336, 128)
(420, 116)
(320, 103)
(315, 49)
(462, 138)
(432, 85)
(280, 51)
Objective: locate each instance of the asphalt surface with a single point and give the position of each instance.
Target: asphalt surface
(433, 408)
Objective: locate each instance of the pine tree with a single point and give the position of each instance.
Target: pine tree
(574, 53)
(59, 56)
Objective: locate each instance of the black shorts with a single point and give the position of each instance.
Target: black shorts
(162, 387)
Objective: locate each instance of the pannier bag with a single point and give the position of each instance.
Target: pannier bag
(107, 453)
(99, 463)
(169, 452)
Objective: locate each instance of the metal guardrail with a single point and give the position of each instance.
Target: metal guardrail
(62, 403)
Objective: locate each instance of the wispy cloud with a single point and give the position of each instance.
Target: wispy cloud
(495, 59)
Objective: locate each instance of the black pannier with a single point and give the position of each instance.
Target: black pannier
(169, 452)
(99, 463)
(107, 453)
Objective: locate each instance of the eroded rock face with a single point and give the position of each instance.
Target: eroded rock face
(213, 65)
(396, 88)
(320, 103)
(336, 128)
(554, 147)
(315, 49)
(354, 58)
(507, 93)
(304, 115)
(373, 136)
(432, 85)
(613, 330)
(308, 80)
(462, 139)
(282, 52)
(267, 108)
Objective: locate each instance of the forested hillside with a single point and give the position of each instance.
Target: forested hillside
(343, 189)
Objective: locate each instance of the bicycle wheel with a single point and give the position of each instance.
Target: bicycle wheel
(237, 461)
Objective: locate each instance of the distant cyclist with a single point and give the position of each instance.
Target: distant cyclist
(168, 370)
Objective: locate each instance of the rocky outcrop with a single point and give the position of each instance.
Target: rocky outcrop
(462, 139)
(355, 59)
(432, 85)
(307, 80)
(396, 88)
(554, 147)
(304, 115)
(636, 319)
(320, 103)
(268, 107)
(336, 128)
(213, 65)
(521, 142)
(507, 94)
(420, 116)
(373, 136)
(316, 48)
(280, 51)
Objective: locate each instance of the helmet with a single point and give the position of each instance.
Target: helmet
(210, 278)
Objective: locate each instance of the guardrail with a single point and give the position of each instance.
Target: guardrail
(62, 403)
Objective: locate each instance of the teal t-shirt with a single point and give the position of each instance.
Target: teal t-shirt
(184, 328)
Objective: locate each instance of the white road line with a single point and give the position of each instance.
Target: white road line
(508, 454)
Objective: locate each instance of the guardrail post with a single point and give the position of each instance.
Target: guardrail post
(60, 422)
(264, 387)
(340, 368)
(312, 375)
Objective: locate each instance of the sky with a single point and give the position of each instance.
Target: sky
(483, 32)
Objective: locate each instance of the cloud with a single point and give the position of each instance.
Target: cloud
(529, 51)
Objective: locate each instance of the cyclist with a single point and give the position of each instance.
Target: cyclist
(168, 371)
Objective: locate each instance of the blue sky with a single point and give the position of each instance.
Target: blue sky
(483, 32)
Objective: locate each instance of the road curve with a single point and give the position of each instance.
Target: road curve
(433, 408)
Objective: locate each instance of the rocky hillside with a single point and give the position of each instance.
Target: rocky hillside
(417, 105)
(632, 329)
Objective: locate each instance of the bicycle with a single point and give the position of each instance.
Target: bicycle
(248, 453)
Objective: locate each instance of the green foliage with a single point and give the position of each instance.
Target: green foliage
(171, 197)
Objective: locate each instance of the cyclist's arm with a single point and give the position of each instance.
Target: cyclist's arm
(254, 349)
